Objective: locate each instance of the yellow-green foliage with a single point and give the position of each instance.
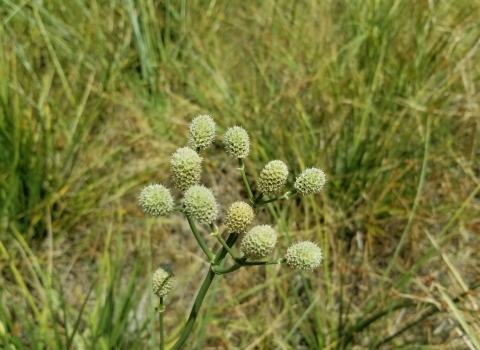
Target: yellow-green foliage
(383, 96)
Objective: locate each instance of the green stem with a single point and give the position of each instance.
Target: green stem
(160, 317)
(195, 310)
(179, 208)
(242, 263)
(257, 200)
(241, 167)
(255, 263)
(218, 270)
(199, 239)
(286, 195)
(202, 292)
(222, 241)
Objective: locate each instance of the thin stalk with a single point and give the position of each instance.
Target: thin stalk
(222, 241)
(257, 200)
(241, 167)
(161, 308)
(179, 208)
(286, 195)
(199, 239)
(202, 292)
(255, 263)
(195, 310)
(242, 262)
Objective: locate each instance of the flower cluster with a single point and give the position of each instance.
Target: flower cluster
(239, 216)
(237, 142)
(310, 181)
(259, 242)
(163, 281)
(273, 178)
(304, 256)
(200, 204)
(156, 200)
(202, 132)
(186, 167)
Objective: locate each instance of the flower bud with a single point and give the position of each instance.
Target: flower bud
(202, 132)
(163, 281)
(200, 204)
(310, 181)
(238, 217)
(273, 177)
(304, 256)
(237, 142)
(156, 200)
(186, 167)
(259, 242)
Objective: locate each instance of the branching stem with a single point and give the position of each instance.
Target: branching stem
(202, 292)
(241, 167)
(286, 195)
(199, 239)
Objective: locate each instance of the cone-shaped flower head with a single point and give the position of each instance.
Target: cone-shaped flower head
(163, 281)
(237, 142)
(273, 177)
(200, 204)
(202, 132)
(186, 167)
(156, 200)
(259, 242)
(304, 256)
(239, 216)
(310, 181)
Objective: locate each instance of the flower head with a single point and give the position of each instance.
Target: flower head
(237, 142)
(156, 200)
(304, 256)
(259, 242)
(200, 204)
(238, 217)
(273, 177)
(310, 181)
(186, 167)
(202, 132)
(163, 281)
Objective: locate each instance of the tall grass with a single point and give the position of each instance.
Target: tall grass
(96, 95)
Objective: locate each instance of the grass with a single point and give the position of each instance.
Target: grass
(96, 95)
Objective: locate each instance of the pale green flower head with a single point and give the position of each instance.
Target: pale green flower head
(156, 200)
(202, 132)
(163, 281)
(239, 216)
(310, 181)
(200, 204)
(237, 142)
(273, 177)
(304, 256)
(259, 242)
(186, 167)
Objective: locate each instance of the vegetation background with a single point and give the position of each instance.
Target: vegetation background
(95, 95)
